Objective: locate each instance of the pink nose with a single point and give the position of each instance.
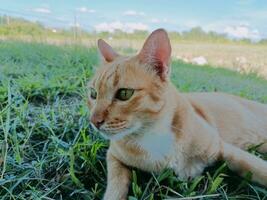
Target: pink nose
(97, 120)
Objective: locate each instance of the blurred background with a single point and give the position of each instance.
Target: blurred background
(231, 34)
(47, 55)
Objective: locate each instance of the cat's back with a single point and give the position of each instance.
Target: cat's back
(238, 120)
(217, 101)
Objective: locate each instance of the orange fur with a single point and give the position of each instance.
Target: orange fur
(158, 127)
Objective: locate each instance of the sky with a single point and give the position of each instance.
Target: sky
(236, 18)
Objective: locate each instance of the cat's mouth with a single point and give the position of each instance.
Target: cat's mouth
(119, 132)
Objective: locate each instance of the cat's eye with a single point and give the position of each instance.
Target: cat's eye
(93, 93)
(124, 94)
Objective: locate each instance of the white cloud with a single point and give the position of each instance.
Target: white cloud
(220, 25)
(85, 10)
(242, 31)
(42, 10)
(117, 25)
(133, 13)
(235, 29)
(191, 24)
(160, 21)
(155, 20)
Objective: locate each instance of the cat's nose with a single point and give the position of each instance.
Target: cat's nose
(97, 120)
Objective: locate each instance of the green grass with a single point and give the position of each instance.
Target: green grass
(48, 151)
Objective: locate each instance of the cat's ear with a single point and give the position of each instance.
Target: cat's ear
(156, 52)
(106, 51)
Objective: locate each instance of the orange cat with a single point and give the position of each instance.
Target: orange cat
(152, 126)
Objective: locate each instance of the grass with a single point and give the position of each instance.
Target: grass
(48, 150)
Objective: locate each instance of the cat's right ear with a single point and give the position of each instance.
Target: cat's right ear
(106, 51)
(156, 52)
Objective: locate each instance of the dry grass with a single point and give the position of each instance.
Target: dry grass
(244, 58)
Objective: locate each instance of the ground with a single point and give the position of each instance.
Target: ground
(48, 150)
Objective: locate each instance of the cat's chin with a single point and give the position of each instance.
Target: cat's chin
(122, 134)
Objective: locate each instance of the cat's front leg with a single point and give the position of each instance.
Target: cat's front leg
(118, 179)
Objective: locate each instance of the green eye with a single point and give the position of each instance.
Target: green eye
(93, 93)
(124, 94)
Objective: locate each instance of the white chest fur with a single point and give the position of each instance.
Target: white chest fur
(157, 145)
(158, 142)
(157, 149)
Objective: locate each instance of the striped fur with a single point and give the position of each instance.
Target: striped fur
(161, 128)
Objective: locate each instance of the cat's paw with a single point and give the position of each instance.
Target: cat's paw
(111, 197)
(114, 195)
(190, 172)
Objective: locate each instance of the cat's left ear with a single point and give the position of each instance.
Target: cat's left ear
(156, 52)
(106, 50)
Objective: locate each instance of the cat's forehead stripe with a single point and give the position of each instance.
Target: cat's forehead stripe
(110, 75)
(116, 77)
(97, 80)
(101, 79)
(104, 78)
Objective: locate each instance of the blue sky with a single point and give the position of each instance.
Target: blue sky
(237, 18)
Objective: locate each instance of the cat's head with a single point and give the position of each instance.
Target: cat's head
(126, 95)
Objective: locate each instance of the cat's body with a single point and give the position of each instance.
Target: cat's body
(157, 127)
(239, 121)
(189, 149)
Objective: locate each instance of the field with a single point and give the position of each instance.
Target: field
(241, 57)
(48, 150)
(217, 49)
